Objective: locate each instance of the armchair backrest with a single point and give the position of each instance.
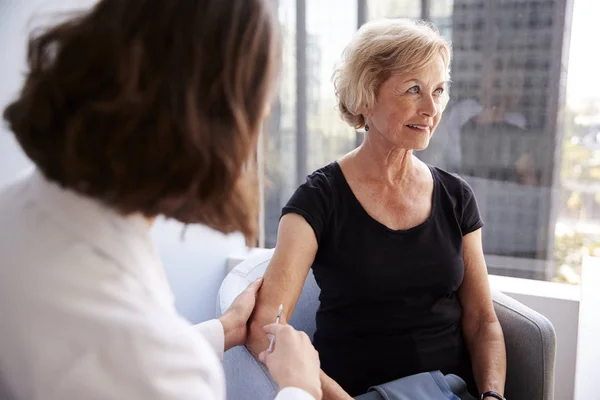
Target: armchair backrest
(255, 266)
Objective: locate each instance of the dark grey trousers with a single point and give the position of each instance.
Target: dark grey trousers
(429, 385)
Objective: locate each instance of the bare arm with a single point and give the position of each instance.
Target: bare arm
(480, 325)
(284, 278)
(283, 283)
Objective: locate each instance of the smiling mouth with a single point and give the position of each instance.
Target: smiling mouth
(419, 128)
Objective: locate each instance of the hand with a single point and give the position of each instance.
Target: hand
(294, 362)
(235, 318)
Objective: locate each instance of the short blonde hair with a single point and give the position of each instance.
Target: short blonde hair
(379, 49)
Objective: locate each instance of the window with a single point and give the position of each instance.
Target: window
(304, 130)
(533, 165)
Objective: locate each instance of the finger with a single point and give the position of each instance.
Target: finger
(255, 285)
(274, 328)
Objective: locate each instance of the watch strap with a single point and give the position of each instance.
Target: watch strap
(492, 394)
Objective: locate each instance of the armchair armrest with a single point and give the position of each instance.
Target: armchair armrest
(530, 350)
(247, 378)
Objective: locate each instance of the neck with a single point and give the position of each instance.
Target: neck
(393, 166)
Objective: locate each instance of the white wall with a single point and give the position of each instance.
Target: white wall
(588, 345)
(564, 315)
(195, 266)
(560, 304)
(17, 17)
(12, 43)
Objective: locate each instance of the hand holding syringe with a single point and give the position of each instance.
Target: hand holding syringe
(272, 340)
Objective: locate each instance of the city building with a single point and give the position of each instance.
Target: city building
(501, 131)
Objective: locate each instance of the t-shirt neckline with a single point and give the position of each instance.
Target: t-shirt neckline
(368, 216)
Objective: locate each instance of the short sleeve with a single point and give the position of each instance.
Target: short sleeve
(313, 201)
(470, 218)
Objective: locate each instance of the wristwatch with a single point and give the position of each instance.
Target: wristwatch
(491, 394)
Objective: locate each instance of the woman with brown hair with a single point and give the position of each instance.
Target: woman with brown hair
(133, 110)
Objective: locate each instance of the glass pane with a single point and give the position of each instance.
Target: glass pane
(501, 130)
(441, 15)
(528, 144)
(280, 129)
(577, 230)
(394, 9)
(329, 27)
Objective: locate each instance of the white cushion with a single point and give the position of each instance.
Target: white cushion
(241, 276)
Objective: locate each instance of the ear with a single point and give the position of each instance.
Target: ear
(367, 111)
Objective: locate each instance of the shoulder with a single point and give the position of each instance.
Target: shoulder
(458, 195)
(454, 189)
(315, 199)
(319, 185)
(450, 180)
(324, 177)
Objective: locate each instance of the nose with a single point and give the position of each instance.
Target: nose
(428, 106)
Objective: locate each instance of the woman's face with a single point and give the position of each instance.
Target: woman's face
(409, 106)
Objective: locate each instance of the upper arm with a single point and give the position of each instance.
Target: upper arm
(303, 226)
(284, 279)
(474, 292)
(470, 218)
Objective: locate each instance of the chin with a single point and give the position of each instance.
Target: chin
(421, 146)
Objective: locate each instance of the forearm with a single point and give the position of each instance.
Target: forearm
(331, 389)
(257, 340)
(488, 356)
(230, 332)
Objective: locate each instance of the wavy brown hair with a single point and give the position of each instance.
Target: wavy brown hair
(153, 107)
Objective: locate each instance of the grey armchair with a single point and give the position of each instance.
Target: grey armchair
(530, 340)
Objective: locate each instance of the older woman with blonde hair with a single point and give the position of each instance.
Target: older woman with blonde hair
(394, 243)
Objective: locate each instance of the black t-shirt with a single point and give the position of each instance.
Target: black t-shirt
(389, 305)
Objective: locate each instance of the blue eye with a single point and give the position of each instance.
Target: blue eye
(414, 89)
(439, 92)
